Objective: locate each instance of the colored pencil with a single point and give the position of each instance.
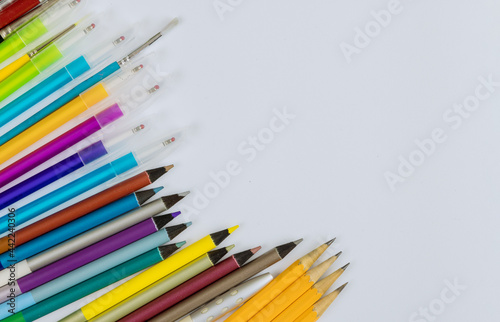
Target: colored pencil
(16, 10)
(87, 255)
(183, 274)
(55, 81)
(190, 287)
(226, 283)
(68, 231)
(309, 298)
(230, 300)
(293, 292)
(78, 186)
(59, 144)
(55, 172)
(278, 285)
(89, 205)
(67, 106)
(95, 283)
(149, 276)
(313, 313)
(83, 273)
(46, 22)
(94, 235)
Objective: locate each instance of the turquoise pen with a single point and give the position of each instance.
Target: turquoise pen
(91, 180)
(60, 78)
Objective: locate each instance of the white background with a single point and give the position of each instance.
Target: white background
(323, 175)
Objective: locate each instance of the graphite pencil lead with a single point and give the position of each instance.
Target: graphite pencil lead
(167, 250)
(331, 241)
(161, 221)
(174, 231)
(143, 196)
(216, 255)
(341, 288)
(338, 254)
(171, 200)
(243, 257)
(345, 266)
(298, 241)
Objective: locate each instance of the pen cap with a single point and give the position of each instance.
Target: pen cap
(127, 133)
(107, 49)
(71, 42)
(61, 11)
(159, 148)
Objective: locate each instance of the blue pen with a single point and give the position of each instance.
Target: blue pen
(59, 78)
(85, 85)
(78, 226)
(90, 180)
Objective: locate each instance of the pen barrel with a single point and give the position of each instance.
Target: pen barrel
(60, 117)
(29, 71)
(92, 285)
(16, 10)
(60, 103)
(21, 39)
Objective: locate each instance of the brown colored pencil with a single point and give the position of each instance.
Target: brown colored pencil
(224, 284)
(85, 206)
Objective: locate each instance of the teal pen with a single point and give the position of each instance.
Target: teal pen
(83, 184)
(60, 78)
(83, 86)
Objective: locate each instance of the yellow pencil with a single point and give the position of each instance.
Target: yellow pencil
(52, 122)
(149, 276)
(310, 297)
(23, 60)
(313, 313)
(293, 292)
(278, 285)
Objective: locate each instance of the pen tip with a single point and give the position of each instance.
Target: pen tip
(174, 22)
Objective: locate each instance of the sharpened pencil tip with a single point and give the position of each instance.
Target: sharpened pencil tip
(338, 254)
(228, 248)
(168, 167)
(345, 266)
(341, 287)
(189, 223)
(298, 241)
(232, 229)
(183, 194)
(256, 249)
(175, 214)
(180, 244)
(328, 243)
(156, 190)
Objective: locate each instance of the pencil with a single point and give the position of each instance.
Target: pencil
(59, 144)
(149, 276)
(62, 234)
(87, 255)
(278, 285)
(309, 298)
(96, 234)
(162, 286)
(53, 173)
(190, 287)
(95, 283)
(86, 206)
(16, 10)
(83, 273)
(224, 284)
(66, 107)
(228, 301)
(314, 312)
(293, 292)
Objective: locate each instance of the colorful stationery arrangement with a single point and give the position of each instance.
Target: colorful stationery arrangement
(89, 222)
